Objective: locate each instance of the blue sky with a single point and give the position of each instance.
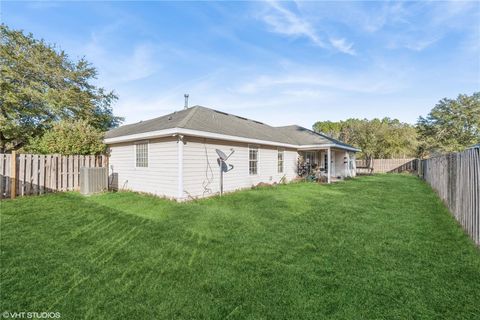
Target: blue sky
(277, 62)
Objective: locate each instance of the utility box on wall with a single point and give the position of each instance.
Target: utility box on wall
(93, 180)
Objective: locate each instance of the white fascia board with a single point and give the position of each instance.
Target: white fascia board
(326, 146)
(219, 136)
(141, 136)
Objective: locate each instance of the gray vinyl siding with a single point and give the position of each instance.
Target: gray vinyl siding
(161, 175)
(201, 173)
(201, 177)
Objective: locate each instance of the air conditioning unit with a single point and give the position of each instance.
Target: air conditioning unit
(93, 180)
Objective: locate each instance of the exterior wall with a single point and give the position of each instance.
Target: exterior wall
(201, 176)
(340, 165)
(161, 175)
(200, 172)
(353, 164)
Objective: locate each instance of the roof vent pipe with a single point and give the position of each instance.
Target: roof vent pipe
(186, 101)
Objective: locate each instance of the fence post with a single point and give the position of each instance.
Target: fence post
(105, 164)
(13, 173)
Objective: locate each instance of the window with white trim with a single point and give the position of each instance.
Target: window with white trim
(253, 160)
(280, 157)
(141, 155)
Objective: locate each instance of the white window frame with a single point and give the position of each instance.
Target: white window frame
(280, 168)
(250, 148)
(147, 143)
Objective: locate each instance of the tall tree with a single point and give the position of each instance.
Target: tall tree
(452, 125)
(377, 138)
(40, 85)
(330, 128)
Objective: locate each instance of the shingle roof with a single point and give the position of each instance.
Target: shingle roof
(304, 136)
(173, 120)
(214, 121)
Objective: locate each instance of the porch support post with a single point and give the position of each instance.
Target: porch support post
(329, 157)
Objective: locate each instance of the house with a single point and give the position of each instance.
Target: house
(175, 155)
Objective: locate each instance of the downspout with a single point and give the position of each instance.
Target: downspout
(180, 143)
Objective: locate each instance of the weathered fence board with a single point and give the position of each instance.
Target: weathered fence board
(2, 176)
(20, 173)
(456, 179)
(386, 165)
(7, 183)
(41, 176)
(38, 174)
(64, 174)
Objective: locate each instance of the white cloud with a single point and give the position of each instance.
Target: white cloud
(120, 63)
(286, 22)
(40, 5)
(423, 24)
(140, 64)
(137, 64)
(419, 45)
(343, 46)
(370, 81)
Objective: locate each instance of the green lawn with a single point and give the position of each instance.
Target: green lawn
(379, 247)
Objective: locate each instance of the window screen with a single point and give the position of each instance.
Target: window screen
(141, 154)
(253, 160)
(280, 160)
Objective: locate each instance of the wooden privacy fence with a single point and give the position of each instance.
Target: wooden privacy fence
(456, 179)
(386, 165)
(32, 174)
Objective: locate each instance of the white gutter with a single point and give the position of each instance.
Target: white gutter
(141, 136)
(211, 135)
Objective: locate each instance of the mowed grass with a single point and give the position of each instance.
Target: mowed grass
(377, 247)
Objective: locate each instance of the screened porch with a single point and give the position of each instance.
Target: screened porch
(327, 165)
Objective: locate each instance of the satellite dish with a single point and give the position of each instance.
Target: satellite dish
(221, 154)
(224, 167)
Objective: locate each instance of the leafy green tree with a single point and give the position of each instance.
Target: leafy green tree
(68, 137)
(330, 128)
(40, 85)
(452, 125)
(377, 138)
